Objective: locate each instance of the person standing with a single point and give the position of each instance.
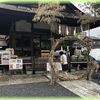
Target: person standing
(64, 62)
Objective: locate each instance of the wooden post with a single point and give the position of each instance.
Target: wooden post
(32, 50)
(11, 32)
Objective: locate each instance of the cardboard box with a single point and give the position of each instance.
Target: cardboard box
(4, 57)
(11, 50)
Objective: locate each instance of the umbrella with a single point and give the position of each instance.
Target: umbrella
(95, 53)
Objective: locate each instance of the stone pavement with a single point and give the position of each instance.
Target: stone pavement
(82, 88)
(22, 79)
(31, 85)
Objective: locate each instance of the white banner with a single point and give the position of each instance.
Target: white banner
(95, 53)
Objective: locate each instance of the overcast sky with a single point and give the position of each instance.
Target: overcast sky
(93, 32)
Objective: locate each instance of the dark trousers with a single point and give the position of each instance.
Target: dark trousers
(65, 67)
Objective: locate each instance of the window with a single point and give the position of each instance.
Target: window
(45, 45)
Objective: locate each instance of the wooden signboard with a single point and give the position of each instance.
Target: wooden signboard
(15, 64)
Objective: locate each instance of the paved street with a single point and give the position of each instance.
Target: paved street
(31, 85)
(38, 85)
(34, 89)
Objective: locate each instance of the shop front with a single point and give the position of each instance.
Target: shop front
(30, 41)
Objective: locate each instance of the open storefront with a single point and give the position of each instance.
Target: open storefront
(30, 41)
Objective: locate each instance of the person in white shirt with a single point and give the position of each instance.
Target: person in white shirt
(64, 62)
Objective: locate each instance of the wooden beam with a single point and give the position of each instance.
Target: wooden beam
(17, 8)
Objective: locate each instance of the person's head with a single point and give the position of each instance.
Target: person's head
(61, 53)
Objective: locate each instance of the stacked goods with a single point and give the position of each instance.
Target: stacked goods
(11, 50)
(14, 56)
(77, 55)
(45, 53)
(7, 54)
(7, 57)
(14, 62)
(77, 52)
(81, 58)
(74, 58)
(4, 57)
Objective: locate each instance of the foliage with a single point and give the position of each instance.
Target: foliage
(92, 13)
(85, 18)
(48, 13)
(96, 7)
